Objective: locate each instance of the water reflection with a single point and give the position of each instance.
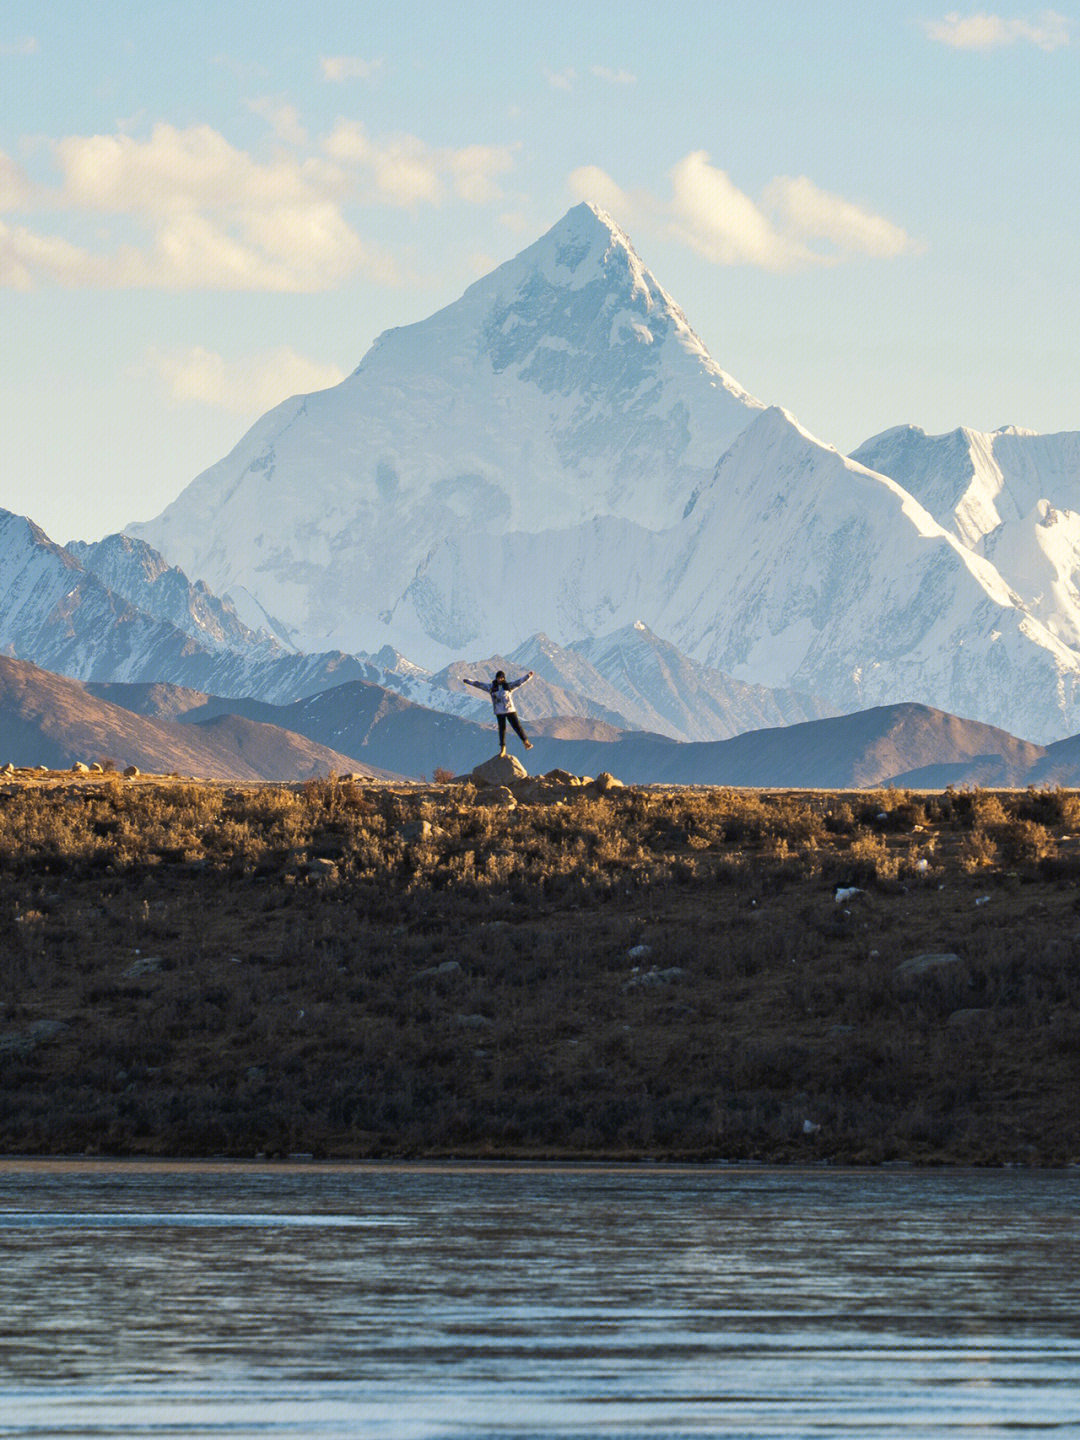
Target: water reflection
(529, 1301)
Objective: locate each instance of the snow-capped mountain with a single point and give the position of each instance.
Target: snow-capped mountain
(136, 572)
(114, 611)
(676, 696)
(62, 616)
(1012, 496)
(557, 453)
(792, 567)
(563, 386)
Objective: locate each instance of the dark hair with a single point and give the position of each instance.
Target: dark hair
(500, 675)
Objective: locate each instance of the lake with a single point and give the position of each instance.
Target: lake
(421, 1301)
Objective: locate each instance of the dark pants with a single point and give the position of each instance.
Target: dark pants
(514, 721)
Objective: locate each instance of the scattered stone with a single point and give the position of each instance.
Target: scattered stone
(131, 772)
(97, 767)
(847, 892)
(925, 964)
(473, 1022)
(500, 770)
(81, 768)
(651, 978)
(638, 952)
(414, 830)
(809, 1128)
(45, 1029)
(322, 869)
(20, 1043)
(497, 795)
(439, 972)
(9, 769)
(145, 965)
(606, 781)
(564, 777)
(982, 900)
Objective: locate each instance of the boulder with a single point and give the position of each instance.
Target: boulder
(606, 781)
(442, 971)
(81, 767)
(145, 965)
(926, 964)
(496, 795)
(564, 777)
(131, 772)
(500, 770)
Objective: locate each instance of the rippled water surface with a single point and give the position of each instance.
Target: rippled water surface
(458, 1301)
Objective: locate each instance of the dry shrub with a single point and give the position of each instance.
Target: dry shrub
(977, 850)
(1052, 806)
(1025, 842)
(871, 859)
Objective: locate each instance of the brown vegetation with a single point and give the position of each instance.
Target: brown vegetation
(357, 970)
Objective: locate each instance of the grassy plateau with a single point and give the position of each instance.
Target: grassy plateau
(344, 969)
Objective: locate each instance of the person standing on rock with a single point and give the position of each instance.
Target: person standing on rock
(501, 698)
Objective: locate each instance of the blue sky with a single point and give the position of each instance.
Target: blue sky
(869, 212)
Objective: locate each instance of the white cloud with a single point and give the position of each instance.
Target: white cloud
(16, 189)
(716, 219)
(217, 218)
(176, 170)
(474, 168)
(613, 77)
(561, 79)
(792, 225)
(589, 182)
(283, 119)
(337, 68)
(405, 171)
(250, 385)
(983, 31)
(807, 213)
(28, 45)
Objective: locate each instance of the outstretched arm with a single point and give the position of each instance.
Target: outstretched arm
(476, 684)
(513, 684)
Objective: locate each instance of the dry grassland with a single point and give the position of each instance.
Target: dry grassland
(348, 970)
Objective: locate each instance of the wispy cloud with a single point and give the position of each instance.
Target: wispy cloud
(803, 211)
(983, 31)
(215, 217)
(561, 79)
(404, 170)
(613, 77)
(283, 119)
(338, 68)
(27, 45)
(249, 385)
(791, 226)
(17, 191)
(589, 182)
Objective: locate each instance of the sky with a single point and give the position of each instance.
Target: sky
(869, 212)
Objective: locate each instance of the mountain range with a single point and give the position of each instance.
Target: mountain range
(554, 474)
(557, 452)
(360, 728)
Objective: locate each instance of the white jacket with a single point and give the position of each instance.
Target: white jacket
(501, 698)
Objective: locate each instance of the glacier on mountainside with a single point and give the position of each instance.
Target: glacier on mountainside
(1010, 495)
